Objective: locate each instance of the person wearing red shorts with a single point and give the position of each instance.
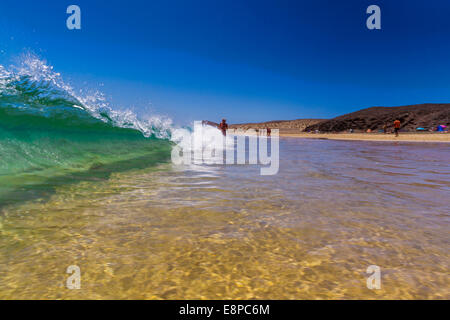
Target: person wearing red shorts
(223, 126)
(396, 127)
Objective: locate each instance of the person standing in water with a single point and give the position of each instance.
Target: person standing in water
(396, 127)
(268, 131)
(223, 126)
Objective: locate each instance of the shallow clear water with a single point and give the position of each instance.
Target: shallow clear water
(221, 232)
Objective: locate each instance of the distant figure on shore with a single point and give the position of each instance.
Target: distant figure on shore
(268, 131)
(385, 128)
(396, 127)
(223, 126)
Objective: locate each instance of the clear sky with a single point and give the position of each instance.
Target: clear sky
(243, 60)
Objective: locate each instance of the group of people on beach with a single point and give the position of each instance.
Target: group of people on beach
(397, 125)
(223, 126)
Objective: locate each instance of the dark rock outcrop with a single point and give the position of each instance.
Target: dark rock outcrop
(426, 115)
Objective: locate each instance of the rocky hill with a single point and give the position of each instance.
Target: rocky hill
(426, 115)
(284, 125)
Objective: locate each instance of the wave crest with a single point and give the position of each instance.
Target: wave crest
(33, 86)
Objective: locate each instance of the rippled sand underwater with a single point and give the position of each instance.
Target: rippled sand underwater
(225, 232)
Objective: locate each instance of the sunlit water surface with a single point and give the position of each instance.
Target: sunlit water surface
(221, 232)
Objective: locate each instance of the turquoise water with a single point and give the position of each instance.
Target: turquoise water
(49, 137)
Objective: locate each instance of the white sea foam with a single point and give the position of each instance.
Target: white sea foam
(203, 144)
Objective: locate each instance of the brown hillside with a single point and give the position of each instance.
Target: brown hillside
(422, 115)
(284, 125)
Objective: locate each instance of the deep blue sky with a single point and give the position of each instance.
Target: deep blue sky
(243, 60)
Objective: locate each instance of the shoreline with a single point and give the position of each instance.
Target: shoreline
(403, 137)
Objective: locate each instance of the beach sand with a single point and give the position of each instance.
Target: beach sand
(416, 137)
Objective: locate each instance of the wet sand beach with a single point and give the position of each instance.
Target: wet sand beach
(413, 137)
